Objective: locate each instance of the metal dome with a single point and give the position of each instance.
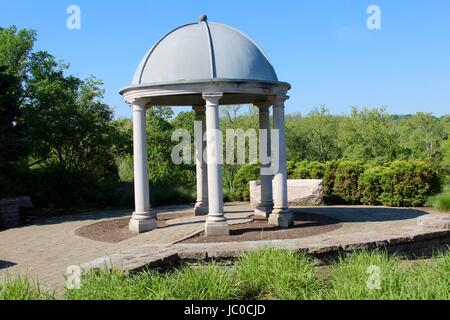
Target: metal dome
(204, 51)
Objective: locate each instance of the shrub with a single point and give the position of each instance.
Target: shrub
(346, 181)
(369, 184)
(307, 170)
(246, 173)
(399, 183)
(161, 195)
(52, 186)
(408, 183)
(301, 171)
(330, 197)
(290, 167)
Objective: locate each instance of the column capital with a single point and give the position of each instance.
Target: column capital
(212, 98)
(199, 109)
(138, 104)
(279, 100)
(264, 106)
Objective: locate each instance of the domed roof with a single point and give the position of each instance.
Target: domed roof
(203, 51)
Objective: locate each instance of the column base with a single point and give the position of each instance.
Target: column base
(213, 229)
(282, 218)
(263, 209)
(201, 209)
(141, 226)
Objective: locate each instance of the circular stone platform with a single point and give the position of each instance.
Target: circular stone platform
(435, 221)
(305, 225)
(395, 230)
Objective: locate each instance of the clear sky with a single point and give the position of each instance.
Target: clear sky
(322, 47)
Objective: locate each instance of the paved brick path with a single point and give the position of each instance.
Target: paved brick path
(44, 251)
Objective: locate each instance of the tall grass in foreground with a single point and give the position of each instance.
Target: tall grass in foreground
(208, 283)
(441, 202)
(264, 274)
(349, 278)
(21, 288)
(276, 274)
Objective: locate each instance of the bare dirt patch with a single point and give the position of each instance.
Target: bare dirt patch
(116, 230)
(305, 225)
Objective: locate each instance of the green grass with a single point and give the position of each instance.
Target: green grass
(349, 277)
(441, 202)
(21, 288)
(264, 274)
(276, 274)
(207, 283)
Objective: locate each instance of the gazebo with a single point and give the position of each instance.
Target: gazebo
(205, 65)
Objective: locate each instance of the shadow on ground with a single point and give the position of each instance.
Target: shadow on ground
(6, 264)
(364, 214)
(99, 215)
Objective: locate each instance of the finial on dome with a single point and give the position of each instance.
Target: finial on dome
(203, 18)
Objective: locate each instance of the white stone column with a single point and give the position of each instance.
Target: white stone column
(281, 215)
(265, 207)
(143, 218)
(216, 223)
(201, 206)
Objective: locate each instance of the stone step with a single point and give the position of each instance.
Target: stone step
(133, 260)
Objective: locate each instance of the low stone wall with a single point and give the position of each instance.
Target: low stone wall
(9, 214)
(413, 243)
(160, 257)
(301, 192)
(10, 211)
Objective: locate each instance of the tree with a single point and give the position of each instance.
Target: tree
(424, 134)
(321, 128)
(13, 146)
(15, 50)
(368, 134)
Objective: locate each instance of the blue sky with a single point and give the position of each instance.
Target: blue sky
(322, 47)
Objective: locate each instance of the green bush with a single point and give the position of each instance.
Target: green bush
(399, 183)
(160, 195)
(168, 195)
(330, 197)
(369, 184)
(307, 170)
(408, 183)
(246, 173)
(346, 181)
(290, 167)
(52, 186)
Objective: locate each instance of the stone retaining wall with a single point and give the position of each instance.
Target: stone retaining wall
(10, 211)
(9, 214)
(136, 259)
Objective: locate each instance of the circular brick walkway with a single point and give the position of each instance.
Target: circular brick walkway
(44, 251)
